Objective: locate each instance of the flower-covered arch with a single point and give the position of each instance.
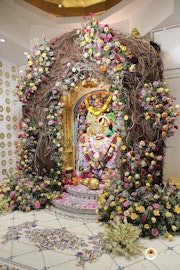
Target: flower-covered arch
(145, 114)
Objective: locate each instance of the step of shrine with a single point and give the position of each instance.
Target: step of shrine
(79, 199)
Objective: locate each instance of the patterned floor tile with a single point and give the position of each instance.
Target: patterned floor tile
(167, 260)
(41, 240)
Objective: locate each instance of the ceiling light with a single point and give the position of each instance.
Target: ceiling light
(26, 53)
(59, 6)
(2, 40)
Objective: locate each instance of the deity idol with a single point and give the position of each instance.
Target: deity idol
(98, 148)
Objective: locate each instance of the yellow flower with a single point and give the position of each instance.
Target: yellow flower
(121, 200)
(113, 203)
(43, 54)
(170, 236)
(153, 219)
(119, 67)
(177, 209)
(143, 163)
(37, 52)
(126, 117)
(142, 143)
(156, 212)
(168, 205)
(117, 44)
(168, 214)
(132, 68)
(148, 184)
(174, 228)
(123, 48)
(83, 43)
(141, 209)
(106, 207)
(111, 216)
(106, 48)
(123, 147)
(119, 209)
(146, 226)
(133, 216)
(30, 63)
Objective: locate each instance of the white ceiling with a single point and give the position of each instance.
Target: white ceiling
(22, 25)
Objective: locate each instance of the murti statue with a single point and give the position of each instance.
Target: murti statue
(98, 148)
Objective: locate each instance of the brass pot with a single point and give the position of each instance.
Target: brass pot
(93, 183)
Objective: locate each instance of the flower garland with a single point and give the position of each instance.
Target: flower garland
(104, 155)
(98, 112)
(160, 112)
(37, 70)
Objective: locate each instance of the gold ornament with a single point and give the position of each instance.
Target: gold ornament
(104, 107)
(93, 183)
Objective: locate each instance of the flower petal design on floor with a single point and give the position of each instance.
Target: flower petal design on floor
(59, 239)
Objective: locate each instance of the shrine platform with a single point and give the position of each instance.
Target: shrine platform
(79, 199)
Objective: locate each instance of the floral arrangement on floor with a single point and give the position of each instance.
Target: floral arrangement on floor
(122, 238)
(153, 208)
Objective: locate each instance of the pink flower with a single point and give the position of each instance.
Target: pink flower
(37, 205)
(156, 205)
(126, 213)
(126, 204)
(154, 232)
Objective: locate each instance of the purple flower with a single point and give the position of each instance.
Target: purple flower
(155, 84)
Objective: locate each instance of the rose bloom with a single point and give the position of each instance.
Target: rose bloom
(112, 203)
(156, 205)
(141, 209)
(168, 214)
(133, 216)
(143, 218)
(154, 232)
(37, 205)
(126, 204)
(126, 213)
(156, 212)
(153, 219)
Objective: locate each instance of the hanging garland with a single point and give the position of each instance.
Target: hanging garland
(103, 109)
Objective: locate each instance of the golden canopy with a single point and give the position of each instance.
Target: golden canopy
(72, 8)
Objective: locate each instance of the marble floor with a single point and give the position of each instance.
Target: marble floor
(50, 240)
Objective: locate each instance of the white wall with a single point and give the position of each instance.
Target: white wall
(172, 157)
(9, 117)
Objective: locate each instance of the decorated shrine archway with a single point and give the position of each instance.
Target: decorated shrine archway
(91, 136)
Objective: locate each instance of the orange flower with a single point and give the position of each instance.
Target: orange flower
(164, 114)
(103, 68)
(75, 180)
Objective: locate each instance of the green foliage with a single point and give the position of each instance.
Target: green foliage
(122, 238)
(4, 207)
